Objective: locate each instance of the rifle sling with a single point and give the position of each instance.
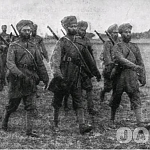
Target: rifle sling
(29, 54)
(79, 54)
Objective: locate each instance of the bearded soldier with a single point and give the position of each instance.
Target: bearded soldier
(66, 65)
(108, 60)
(36, 39)
(129, 71)
(26, 68)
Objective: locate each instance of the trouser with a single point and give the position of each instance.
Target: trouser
(75, 92)
(30, 107)
(127, 82)
(90, 103)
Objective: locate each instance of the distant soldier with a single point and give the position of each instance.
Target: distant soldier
(130, 70)
(108, 60)
(36, 39)
(86, 82)
(26, 69)
(3, 55)
(66, 65)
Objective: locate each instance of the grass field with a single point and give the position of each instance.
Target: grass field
(102, 137)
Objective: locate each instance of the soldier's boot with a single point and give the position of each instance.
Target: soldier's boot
(138, 115)
(5, 121)
(112, 119)
(29, 125)
(82, 126)
(90, 103)
(102, 95)
(56, 119)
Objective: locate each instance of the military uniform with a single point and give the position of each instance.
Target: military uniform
(127, 55)
(66, 61)
(24, 73)
(66, 64)
(130, 70)
(86, 82)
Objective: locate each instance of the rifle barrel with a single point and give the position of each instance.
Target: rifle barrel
(63, 32)
(109, 36)
(99, 36)
(15, 30)
(56, 37)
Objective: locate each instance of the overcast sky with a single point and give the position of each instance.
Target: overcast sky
(99, 13)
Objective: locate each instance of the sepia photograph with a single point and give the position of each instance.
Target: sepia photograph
(74, 74)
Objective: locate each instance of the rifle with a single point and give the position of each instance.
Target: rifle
(56, 37)
(4, 40)
(15, 30)
(109, 36)
(63, 32)
(99, 36)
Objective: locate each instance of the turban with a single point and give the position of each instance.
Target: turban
(112, 28)
(68, 21)
(82, 24)
(124, 27)
(4, 26)
(23, 23)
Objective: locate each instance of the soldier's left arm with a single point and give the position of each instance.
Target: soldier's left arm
(42, 72)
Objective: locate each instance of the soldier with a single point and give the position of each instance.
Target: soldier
(3, 55)
(108, 61)
(66, 64)
(86, 82)
(25, 69)
(129, 71)
(36, 39)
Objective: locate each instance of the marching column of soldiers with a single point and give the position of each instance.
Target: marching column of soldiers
(73, 66)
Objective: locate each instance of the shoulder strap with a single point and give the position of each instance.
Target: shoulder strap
(129, 50)
(79, 54)
(29, 54)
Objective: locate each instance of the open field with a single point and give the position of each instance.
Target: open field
(102, 137)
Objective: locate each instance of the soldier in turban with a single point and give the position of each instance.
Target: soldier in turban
(66, 64)
(130, 70)
(108, 61)
(25, 69)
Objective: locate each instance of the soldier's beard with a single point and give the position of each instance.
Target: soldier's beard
(72, 32)
(126, 39)
(25, 36)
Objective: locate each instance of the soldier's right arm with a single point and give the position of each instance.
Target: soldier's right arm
(56, 59)
(119, 58)
(11, 65)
